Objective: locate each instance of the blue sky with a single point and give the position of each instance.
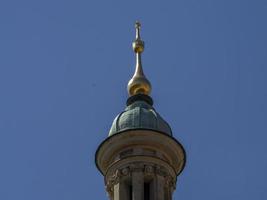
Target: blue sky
(64, 67)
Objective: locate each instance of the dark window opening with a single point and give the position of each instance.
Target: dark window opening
(130, 192)
(146, 191)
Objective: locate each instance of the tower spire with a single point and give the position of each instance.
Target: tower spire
(138, 84)
(140, 159)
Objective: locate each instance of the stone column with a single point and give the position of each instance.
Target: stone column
(117, 185)
(169, 184)
(167, 193)
(121, 191)
(138, 184)
(159, 187)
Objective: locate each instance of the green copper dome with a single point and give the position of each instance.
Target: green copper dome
(139, 115)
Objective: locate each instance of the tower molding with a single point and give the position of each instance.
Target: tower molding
(154, 155)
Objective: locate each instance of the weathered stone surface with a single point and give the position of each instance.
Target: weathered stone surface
(135, 158)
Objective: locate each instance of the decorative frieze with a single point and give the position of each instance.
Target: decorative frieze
(149, 170)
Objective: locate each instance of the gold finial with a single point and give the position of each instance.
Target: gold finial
(138, 83)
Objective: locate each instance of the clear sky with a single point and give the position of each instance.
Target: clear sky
(64, 67)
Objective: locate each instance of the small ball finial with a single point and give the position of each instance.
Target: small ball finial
(138, 44)
(137, 25)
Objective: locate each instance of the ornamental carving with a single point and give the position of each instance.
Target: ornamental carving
(149, 169)
(170, 182)
(160, 171)
(125, 171)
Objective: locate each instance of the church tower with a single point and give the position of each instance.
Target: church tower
(140, 159)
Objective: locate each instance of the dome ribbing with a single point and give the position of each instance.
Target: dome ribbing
(139, 115)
